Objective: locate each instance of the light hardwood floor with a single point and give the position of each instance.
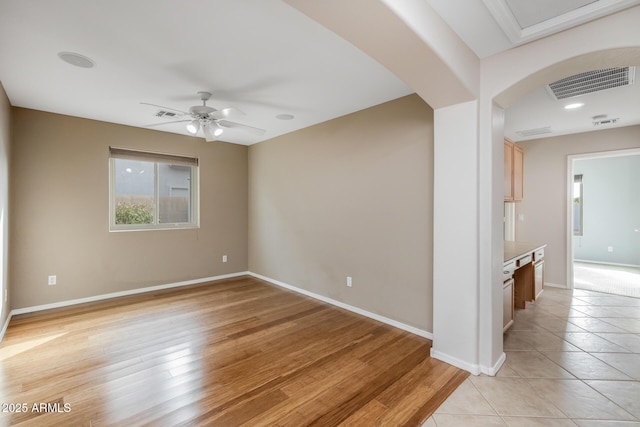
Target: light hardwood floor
(231, 353)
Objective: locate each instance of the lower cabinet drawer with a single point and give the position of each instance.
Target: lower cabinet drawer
(507, 270)
(524, 260)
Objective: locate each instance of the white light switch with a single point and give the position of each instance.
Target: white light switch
(52, 280)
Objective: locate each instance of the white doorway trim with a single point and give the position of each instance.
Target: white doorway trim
(570, 162)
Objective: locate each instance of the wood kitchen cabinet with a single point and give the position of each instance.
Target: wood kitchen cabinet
(522, 277)
(508, 170)
(513, 172)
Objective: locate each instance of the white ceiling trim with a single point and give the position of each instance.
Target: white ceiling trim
(518, 35)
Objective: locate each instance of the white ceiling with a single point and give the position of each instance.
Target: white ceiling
(260, 56)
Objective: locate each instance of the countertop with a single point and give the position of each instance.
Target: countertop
(513, 250)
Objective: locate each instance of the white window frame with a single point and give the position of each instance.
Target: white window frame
(155, 158)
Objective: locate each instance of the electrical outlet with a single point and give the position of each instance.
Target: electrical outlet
(224, 258)
(610, 249)
(349, 281)
(52, 280)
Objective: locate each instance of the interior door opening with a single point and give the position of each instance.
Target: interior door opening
(603, 215)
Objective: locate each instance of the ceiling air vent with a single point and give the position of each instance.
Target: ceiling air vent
(605, 122)
(534, 132)
(167, 114)
(592, 81)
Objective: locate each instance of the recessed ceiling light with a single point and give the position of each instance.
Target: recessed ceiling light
(573, 106)
(76, 59)
(285, 116)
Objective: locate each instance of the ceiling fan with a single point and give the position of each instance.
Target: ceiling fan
(207, 119)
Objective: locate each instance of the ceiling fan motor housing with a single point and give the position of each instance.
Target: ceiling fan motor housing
(201, 111)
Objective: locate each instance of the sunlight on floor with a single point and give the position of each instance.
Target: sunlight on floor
(9, 351)
(607, 278)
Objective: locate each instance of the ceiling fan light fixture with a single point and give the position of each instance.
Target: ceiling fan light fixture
(204, 119)
(193, 127)
(206, 130)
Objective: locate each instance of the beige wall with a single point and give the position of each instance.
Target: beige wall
(59, 211)
(5, 135)
(545, 193)
(350, 197)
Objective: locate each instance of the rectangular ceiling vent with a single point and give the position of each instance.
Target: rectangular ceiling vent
(168, 114)
(605, 122)
(534, 132)
(592, 81)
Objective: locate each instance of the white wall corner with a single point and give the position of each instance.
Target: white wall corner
(473, 368)
(492, 371)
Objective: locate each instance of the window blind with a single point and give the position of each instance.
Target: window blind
(124, 153)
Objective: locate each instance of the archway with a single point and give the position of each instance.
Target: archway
(530, 80)
(620, 57)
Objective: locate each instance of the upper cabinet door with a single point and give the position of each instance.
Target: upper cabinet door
(508, 171)
(513, 172)
(518, 174)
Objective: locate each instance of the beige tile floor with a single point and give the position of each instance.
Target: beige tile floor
(573, 359)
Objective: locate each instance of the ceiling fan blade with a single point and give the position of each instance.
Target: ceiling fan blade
(235, 125)
(167, 123)
(166, 108)
(226, 112)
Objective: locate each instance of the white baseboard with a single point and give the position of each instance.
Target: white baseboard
(555, 285)
(493, 370)
(615, 264)
(5, 326)
(374, 316)
(122, 293)
(351, 308)
(475, 369)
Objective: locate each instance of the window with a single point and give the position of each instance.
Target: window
(577, 205)
(152, 191)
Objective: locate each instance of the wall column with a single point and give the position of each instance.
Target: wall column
(455, 246)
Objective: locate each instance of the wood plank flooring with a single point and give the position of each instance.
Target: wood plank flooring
(239, 352)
